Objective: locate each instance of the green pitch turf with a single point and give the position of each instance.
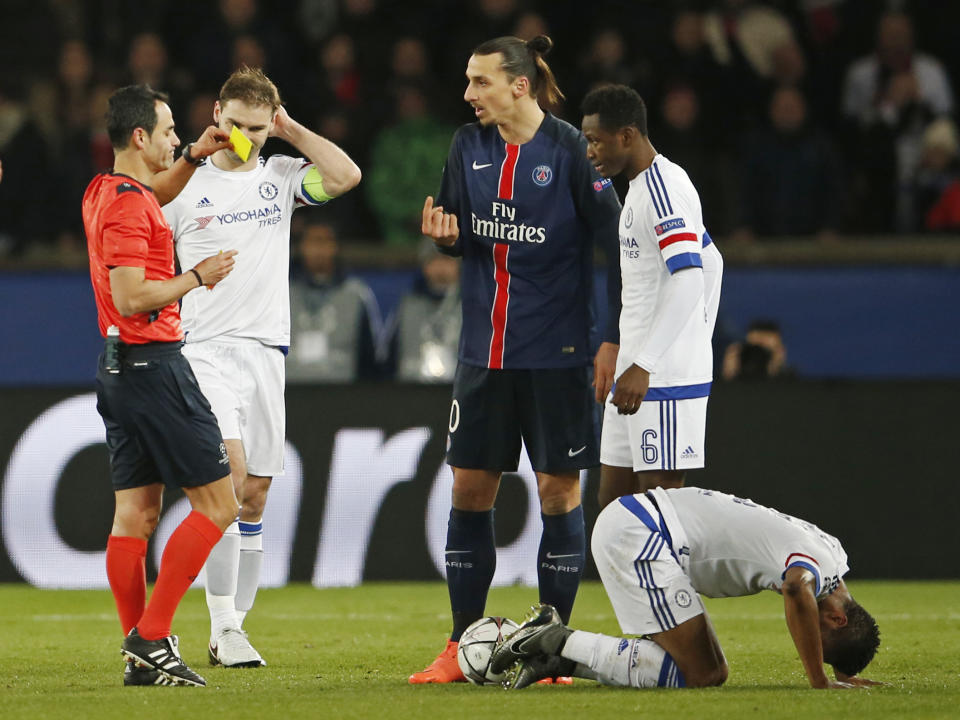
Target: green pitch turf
(346, 653)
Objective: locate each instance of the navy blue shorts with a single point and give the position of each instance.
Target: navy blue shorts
(552, 410)
(159, 425)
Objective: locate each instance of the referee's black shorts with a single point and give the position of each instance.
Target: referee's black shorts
(552, 410)
(159, 425)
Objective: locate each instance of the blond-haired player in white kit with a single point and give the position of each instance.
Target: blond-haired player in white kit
(237, 333)
(655, 552)
(655, 418)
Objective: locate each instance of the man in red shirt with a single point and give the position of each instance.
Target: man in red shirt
(159, 427)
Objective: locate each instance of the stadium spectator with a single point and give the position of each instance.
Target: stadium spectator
(521, 205)
(682, 543)
(423, 332)
(24, 220)
(689, 140)
(743, 36)
(334, 318)
(790, 175)
(403, 166)
(761, 354)
(937, 186)
(889, 98)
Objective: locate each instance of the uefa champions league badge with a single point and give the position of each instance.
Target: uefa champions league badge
(268, 191)
(542, 175)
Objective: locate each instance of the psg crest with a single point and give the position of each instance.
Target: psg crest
(542, 175)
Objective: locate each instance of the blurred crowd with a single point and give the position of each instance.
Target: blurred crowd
(794, 118)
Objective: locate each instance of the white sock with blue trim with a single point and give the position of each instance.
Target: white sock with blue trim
(635, 662)
(220, 580)
(251, 563)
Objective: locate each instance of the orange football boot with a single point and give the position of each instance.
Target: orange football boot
(444, 669)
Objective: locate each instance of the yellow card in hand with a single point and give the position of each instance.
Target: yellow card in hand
(241, 145)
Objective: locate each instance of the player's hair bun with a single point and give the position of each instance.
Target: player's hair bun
(541, 44)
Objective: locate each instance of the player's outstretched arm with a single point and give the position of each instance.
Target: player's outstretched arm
(168, 184)
(339, 172)
(440, 226)
(803, 621)
(133, 293)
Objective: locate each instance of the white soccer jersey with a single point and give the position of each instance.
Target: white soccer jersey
(731, 547)
(247, 211)
(661, 232)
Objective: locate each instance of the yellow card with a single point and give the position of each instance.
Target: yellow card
(241, 145)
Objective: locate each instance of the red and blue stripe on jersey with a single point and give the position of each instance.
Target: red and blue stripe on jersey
(528, 217)
(671, 228)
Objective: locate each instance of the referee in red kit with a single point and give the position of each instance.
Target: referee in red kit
(159, 427)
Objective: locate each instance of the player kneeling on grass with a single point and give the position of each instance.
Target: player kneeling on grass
(655, 552)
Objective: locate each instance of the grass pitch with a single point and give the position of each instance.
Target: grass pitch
(346, 653)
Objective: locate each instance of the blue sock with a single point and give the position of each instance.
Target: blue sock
(561, 559)
(471, 558)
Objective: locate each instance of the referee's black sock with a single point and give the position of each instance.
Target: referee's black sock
(561, 559)
(471, 558)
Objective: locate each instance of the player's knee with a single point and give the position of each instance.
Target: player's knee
(713, 677)
(135, 521)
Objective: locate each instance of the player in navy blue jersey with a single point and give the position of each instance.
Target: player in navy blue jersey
(520, 203)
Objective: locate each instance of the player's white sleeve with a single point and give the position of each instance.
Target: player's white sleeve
(712, 280)
(681, 298)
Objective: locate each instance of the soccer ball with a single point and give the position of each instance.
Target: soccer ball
(476, 647)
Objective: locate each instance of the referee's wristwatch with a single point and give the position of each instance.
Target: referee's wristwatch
(186, 155)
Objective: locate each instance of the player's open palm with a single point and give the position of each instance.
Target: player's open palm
(437, 224)
(216, 267)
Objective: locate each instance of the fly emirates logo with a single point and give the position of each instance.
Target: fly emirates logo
(503, 227)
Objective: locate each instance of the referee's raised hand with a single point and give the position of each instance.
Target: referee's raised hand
(215, 268)
(210, 141)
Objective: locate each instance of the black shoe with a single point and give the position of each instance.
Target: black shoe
(533, 670)
(133, 675)
(162, 655)
(542, 634)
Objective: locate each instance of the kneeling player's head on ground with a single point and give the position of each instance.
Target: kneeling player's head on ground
(850, 647)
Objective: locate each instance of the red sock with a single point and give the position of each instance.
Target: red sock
(182, 560)
(126, 572)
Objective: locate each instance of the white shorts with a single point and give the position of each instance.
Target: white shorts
(661, 435)
(647, 587)
(244, 383)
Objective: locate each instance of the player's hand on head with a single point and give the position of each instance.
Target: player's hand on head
(216, 267)
(630, 389)
(210, 141)
(281, 121)
(437, 224)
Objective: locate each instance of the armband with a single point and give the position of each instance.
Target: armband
(313, 186)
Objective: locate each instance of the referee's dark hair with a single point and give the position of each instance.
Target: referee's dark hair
(617, 106)
(132, 107)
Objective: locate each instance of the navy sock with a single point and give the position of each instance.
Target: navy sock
(471, 558)
(561, 559)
